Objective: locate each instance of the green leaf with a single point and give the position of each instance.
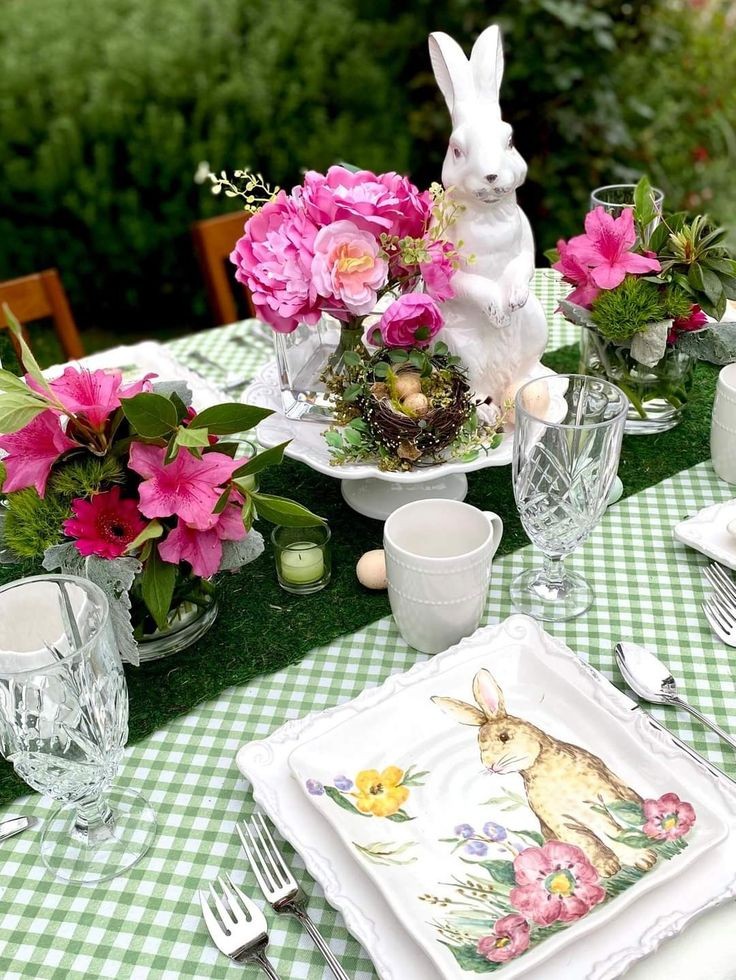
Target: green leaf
(224, 420)
(532, 835)
(397, 356)
(417, 359)
(151, 415)
(10, 382)
(352, 437)
(261, 461)
(288, 513)
(336, 796)
(633, 838)
(27, 359)
(711, 284)
(658, 237)
(14, 416)
(248, 512)
(627, 810)
(154, 529)
(440, 348)
(500, 871)
(157, 585)
(381, 370)
(401, 816)
(352, 391)
(351, 358)
(552, 255)
(181, 409)
(333, 438)
(222, 501)
(644, 209)
(192, 438)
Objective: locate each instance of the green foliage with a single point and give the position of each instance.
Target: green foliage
(81, 476)
(675, 303)
(620, 313)
(33, 524)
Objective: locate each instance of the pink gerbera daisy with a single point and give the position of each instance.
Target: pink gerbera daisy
(104, 525)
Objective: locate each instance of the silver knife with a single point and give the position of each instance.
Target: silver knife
(16, 825)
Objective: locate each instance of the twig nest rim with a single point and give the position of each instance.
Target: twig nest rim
(371, 569)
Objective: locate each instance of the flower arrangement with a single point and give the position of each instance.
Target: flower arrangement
(130, 487)
(521, 888)
(643, 284)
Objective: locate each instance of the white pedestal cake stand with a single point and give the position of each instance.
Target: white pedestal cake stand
(365, 488)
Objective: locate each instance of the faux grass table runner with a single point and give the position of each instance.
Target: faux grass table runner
(261, 628)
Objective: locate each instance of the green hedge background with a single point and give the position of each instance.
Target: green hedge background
(108, 107)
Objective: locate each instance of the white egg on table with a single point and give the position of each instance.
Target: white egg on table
(371, 569)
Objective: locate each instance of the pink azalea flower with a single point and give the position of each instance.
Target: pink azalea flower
(695, 320)
(274, 260)
(93, 394)
(32, 451)
(348, 265)
(437, 273)
(203, 548)
(104, 525)
(668, 817)
(605, 247)
(555, 882)
(375, 203)
(577, 274)
(408, 314)
(187, 487)
(510, 938)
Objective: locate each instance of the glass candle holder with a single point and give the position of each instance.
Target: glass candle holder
(303, 558)
(615, 197)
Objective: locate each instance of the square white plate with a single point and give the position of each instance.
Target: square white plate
(706, 532)
(632, 933)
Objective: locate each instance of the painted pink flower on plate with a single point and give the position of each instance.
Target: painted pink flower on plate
(437, 272)
(104, 525)
(409, 315)
(186, 487)
(203, 548)
(667, 818)
(274, 260)
(555, 882)
(606, 248)
(348, 266)
(510, 938)
(373, 202)
(32, 451)
(577, 274)
(93, 394)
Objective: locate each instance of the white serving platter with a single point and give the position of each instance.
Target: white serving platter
(707, 532)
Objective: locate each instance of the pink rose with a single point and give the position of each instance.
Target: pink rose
(668, 817)
(348, 266)
(274, 260)
(438, 271)
(555, 882)
(412, 320)
(376, 203)
(510, 939)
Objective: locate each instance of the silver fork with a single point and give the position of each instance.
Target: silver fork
(720, 608)
(239, 928)
(279, 886)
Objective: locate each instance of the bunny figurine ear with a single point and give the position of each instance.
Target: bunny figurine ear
(486, 62)
(488, 694)
(451, 69)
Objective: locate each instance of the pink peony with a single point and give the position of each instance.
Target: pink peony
(104, 525)
(668, 817)
(93, 394)
(348, 266)
(412, 320)
(203, 548)
(375, 203)
(577, 274)
(274, 260)
(437, 273)
(605, 248)
(32, 451)
(510, 938)
(695, 320)
(555, 882)
(187, 487)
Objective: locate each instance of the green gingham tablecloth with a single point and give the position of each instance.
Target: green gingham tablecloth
(146, 924)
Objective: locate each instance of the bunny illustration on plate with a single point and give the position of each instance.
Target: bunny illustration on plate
(494, 322)
(563, 782)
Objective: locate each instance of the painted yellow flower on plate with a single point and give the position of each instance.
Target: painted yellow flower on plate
(379, 793)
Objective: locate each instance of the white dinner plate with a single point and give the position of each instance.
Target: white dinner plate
(707, 532)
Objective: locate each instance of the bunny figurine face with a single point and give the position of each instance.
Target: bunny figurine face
(481, 164)
(507, 744)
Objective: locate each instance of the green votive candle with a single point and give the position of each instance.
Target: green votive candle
(302, 556)
(302, 563)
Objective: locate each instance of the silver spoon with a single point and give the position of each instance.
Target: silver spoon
(650, 679)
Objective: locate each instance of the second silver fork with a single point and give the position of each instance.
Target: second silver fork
(720, 608)
(279, 886)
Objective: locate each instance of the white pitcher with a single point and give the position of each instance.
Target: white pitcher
(723, 426)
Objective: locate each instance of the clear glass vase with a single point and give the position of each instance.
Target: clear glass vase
(657, 395)
(302, 358)
(193, 612)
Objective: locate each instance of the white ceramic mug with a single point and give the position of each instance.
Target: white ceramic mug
(723, 425)
(438, 563)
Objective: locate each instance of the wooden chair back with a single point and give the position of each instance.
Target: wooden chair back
(41, 296)
(214, 240)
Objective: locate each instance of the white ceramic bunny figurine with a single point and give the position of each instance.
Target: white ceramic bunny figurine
(495, 323)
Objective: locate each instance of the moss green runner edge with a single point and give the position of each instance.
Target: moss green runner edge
(261, 629)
